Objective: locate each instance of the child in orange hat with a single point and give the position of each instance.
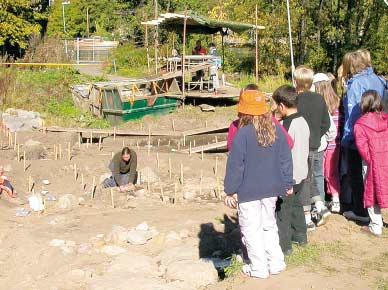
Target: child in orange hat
(259, 169)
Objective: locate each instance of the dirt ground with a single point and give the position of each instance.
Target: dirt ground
(339, 256)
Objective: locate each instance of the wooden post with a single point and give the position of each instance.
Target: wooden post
(79, 140)
(216, 139)
(123, 143)
(93, 186)
(157, 159)
(114, 133)
(146, 45)
(87, 143)
(112, 197)
(149, 140)
(173, 125)
(82, 181)
(179, 145)
(216, 166)
(190, 149)
(200, 183)
(18, 153)
(99, 143)
(184, 140)
(75, 172)
(112, 154)
(169, 167)
(60, 151)
(24, 161)
(183, 57)
(69, 150)
(55, 152)
(159, 142)
(205, 124)
(202, 153)
(161, 193)
(15, 142)
(256, 48)
(194, 143)
(156, 36)
(91, 138)
(137, 144)
(181, 173)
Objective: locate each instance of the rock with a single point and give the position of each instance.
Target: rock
(189, 194)
(21, 120)
(184, 233)
(138, 237)
(34, 150)
(140, 193)
(133, 263)
(81, 201)
(142, 227)
(207, 108)
(172, 236)
(148, 175)
(84, 248)
(111, 250)
(57, 243)
(195, 273)
(67, 202)
(67, 250)
(117, 235)
(178, 253)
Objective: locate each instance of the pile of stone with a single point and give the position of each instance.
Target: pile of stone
(21, 120)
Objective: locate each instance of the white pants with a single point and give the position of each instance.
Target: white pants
(260, 234)
(376, 220)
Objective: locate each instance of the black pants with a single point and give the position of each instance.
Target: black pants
(356, 183)
(290, 220)
(309, 192)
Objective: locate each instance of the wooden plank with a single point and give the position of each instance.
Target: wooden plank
(205, 148)
(191, 132)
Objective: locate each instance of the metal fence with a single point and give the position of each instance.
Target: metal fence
(89, 50)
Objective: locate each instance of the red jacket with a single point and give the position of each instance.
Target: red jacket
(371, 136)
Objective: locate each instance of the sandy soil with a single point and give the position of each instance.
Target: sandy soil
(339, 255)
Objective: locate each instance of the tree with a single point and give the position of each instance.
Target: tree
(19, 20)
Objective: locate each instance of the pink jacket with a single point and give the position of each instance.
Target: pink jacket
(371, 136)
(234, 127)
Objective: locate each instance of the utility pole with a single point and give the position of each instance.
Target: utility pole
(87, 22)
(64, 22)
(290, 36)
(156, 36)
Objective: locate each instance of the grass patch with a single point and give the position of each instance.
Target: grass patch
(266, 83)
(382, 284)
(312, 253)
(46, 91)
(234, 268)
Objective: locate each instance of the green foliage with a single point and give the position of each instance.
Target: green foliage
(46, 91)
(265, 83)
(234, 268)
(130, 61)
(19, 20)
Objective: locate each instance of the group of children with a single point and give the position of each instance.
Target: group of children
(278, 175)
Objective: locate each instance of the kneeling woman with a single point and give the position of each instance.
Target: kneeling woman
(123, 166)
(259, 169)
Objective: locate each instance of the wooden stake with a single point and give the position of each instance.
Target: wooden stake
(60, 151)
(169, 167)
(216, 139)
(114, 133)
(216, 166)
(112, 198)
(158, 142)
(55, 152)
(93, 186)
(169, 142)
(18, 152)
(202, 153)
(190, 149)
(99, 143)
(205, 124)
(181, 173)
(82, 181)
(173, 125)
(137, 144)
(69, 150)
(14, 144)
(75, 172)
(149, 140)
(157, 159)
(194, 143)
(79, 140)
(112, 154)
(179, 145)
(24, 161)
(161, 193)
(184, 140)
(123, 143)
(87, 143)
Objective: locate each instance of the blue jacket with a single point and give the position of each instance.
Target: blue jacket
(255, 172)
(356, 86)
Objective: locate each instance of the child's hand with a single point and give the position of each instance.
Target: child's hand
(231, 201)
(290, 191)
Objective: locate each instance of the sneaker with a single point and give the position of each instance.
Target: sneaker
(352, 216)
(247, 270)
(368, 230)
(287, 253)
(310, 226)
(335, 206)
(317, 217)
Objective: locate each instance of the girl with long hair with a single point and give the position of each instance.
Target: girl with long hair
(259, 169)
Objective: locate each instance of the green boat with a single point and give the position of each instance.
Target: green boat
(128, 100)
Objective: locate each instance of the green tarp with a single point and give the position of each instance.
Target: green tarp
(198, 24)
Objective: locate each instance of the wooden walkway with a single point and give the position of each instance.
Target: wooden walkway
(204, 148)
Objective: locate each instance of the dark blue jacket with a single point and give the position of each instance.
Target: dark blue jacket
(356, 86)
(255, 172)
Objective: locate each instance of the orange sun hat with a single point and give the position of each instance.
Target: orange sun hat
(253, 103)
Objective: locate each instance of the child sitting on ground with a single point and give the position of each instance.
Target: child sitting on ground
(290, 214)
(371, 137)
(258, 170)
(6, 186)
(251, 89)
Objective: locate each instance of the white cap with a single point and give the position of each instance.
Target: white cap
(320, 77)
